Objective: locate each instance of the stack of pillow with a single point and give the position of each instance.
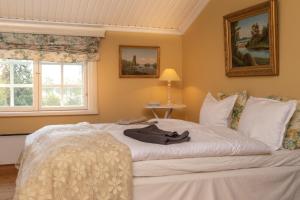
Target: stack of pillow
(273, 120)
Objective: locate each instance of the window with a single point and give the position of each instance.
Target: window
(47, 88)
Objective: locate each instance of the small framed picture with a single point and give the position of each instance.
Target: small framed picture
(139, 61)
(251, 41)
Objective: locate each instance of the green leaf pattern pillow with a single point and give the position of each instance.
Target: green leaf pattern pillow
(238, 106)
(292, 134)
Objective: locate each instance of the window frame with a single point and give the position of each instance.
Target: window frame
(90, 95)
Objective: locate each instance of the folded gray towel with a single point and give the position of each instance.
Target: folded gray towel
(152, 134)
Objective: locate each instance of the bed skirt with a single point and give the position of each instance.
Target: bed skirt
(274, 183)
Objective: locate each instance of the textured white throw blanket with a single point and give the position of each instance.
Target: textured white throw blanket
(74, 162)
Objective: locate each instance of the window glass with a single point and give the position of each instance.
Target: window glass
(73, 96)
(51, 96)
(51, 74)
(4, 96)
(4, 73)
(22, 73)
(73, 74)
(23, 96)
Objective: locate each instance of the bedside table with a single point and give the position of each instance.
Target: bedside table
(169, 109)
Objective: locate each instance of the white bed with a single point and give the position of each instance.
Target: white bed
(269, 176)
(217, 163)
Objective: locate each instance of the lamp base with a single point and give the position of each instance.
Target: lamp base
(169, 93)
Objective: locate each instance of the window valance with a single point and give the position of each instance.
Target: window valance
(55, 48)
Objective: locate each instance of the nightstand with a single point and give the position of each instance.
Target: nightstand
(167, 107)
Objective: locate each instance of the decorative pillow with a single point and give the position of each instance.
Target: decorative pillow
(292, 134)
(266, 120)
(238, 106)
(216, 113)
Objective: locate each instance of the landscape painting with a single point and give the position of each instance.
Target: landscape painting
(139, 62)
(251, 41)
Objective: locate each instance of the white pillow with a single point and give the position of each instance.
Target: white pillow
(216, 113)
(266, 120)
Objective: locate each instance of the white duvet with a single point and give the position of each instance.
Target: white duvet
(205, 142)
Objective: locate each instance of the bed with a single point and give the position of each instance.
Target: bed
(230, 167)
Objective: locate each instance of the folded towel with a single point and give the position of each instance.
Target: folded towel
(152, 134)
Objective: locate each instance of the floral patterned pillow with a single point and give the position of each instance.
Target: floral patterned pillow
(292, 134)
(238, 106)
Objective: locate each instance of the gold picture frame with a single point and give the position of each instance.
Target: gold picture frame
(251, 41)
(139, 61)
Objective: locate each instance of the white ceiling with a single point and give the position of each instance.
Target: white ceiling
(161, 16)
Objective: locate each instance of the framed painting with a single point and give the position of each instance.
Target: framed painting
(251, 41)
(139, 62)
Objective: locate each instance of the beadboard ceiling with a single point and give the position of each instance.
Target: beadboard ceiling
(160, 16)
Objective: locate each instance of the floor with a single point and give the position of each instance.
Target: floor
(8, 175)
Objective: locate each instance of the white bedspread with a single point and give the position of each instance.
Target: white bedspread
(205, 142)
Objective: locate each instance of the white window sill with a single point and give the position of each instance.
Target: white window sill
(48, 113)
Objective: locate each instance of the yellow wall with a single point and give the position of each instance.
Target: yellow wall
(201, 50)
(118, 98)
(203, 55)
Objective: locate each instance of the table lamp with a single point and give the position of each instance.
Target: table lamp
(169, 75)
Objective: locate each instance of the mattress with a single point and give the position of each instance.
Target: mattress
(152, 168)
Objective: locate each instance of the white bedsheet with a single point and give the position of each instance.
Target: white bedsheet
(205, 142)
(151, 168)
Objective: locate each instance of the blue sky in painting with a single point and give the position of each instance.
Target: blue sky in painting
(245, 24)
(143, 55)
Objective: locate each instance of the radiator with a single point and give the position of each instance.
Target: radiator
(11, 147)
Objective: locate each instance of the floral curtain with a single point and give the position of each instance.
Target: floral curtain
(55, 48)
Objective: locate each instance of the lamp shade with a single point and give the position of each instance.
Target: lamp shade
(169, 74)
